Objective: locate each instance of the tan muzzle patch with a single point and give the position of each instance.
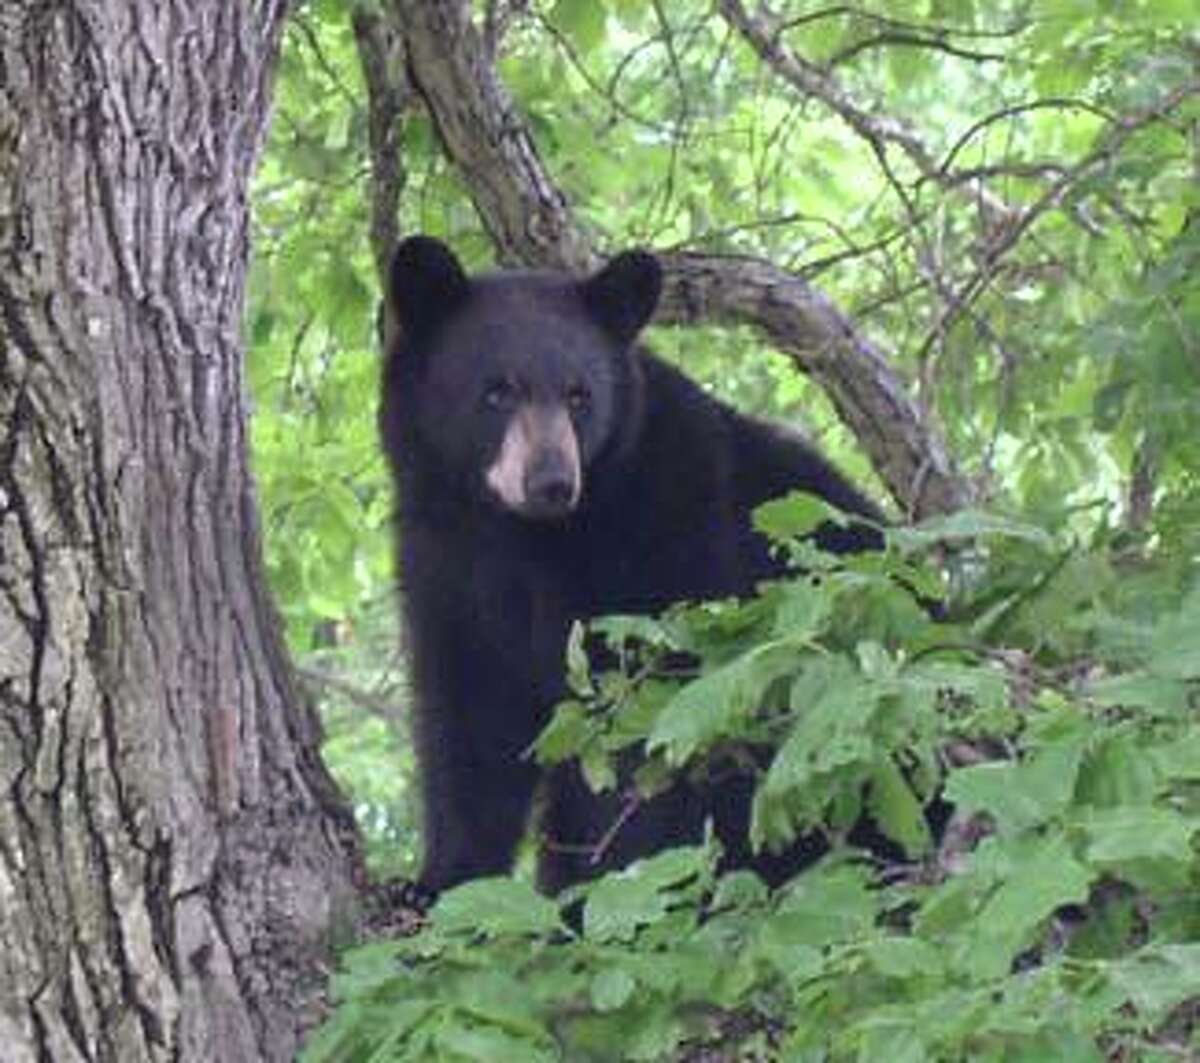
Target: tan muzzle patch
(537, 471)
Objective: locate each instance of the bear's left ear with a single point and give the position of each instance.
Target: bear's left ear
(623, 295)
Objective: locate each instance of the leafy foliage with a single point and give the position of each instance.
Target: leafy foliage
(1070, 930)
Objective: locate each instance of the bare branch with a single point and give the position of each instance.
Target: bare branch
(606, 92)
(1056, 102)
(1004, 237)
(936, 30)
(764, 36)
(909, 39)
(1143, 479)
(304, 26)
(316, 679)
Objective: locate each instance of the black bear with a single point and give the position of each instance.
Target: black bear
(548, 468)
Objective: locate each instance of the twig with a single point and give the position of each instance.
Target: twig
(1004, 238)
(811, 80)
(380, 51)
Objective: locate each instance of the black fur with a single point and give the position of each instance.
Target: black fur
(669, 477)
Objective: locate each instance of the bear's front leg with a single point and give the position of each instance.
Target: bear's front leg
(481, 701)
(476, 804)
(475, 719)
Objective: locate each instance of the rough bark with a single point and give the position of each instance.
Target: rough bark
(530, 221)
(388, 95)
(519, 203)
(172, 853)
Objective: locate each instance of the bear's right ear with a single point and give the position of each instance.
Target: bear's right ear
(623, 295)
(426, 284)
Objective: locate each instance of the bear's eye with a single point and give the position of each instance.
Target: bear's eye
(579, 399)
(499, 394)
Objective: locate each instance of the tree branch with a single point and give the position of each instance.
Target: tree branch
(523, 210)
(317, 680)
(1005, 238)
(764, 36)
(905, 447)
(389, 95)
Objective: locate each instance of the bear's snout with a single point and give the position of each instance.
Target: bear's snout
(551, 485)
(537, 472)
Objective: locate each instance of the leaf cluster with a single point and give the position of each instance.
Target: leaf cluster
(1057, 919)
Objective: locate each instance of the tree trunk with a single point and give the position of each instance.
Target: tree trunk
(172, 853)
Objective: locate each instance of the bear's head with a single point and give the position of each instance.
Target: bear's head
(519, 381)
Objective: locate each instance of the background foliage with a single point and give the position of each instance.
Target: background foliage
(1005, 197)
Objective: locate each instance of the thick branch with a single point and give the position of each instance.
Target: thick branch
(530, 221)
(905, 447)
(388, 97)
(520, 205)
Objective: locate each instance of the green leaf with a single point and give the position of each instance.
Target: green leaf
(893, 1039)
(1175, 646)
(1127, 833)
(897, 810)
(739, 889)
(904, 958)
(506, 1021)
(598, 769)
(1179, 759)
(1117, 771)
(612, 988)
(1159, 979)
(966, 524)
(1142, 690)
(564, 735)
(803, 611)
(832, 704)
(488, 1042)
(579, 676)
(1023, 794)
(793, 516)
(497, 906)
(581, 20)
(827, 904)
(711, 707)
(1044, 875)
(620, 904)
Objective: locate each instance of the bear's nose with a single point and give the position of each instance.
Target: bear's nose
(550, 488)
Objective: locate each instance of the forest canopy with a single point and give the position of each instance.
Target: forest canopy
(958, 245)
